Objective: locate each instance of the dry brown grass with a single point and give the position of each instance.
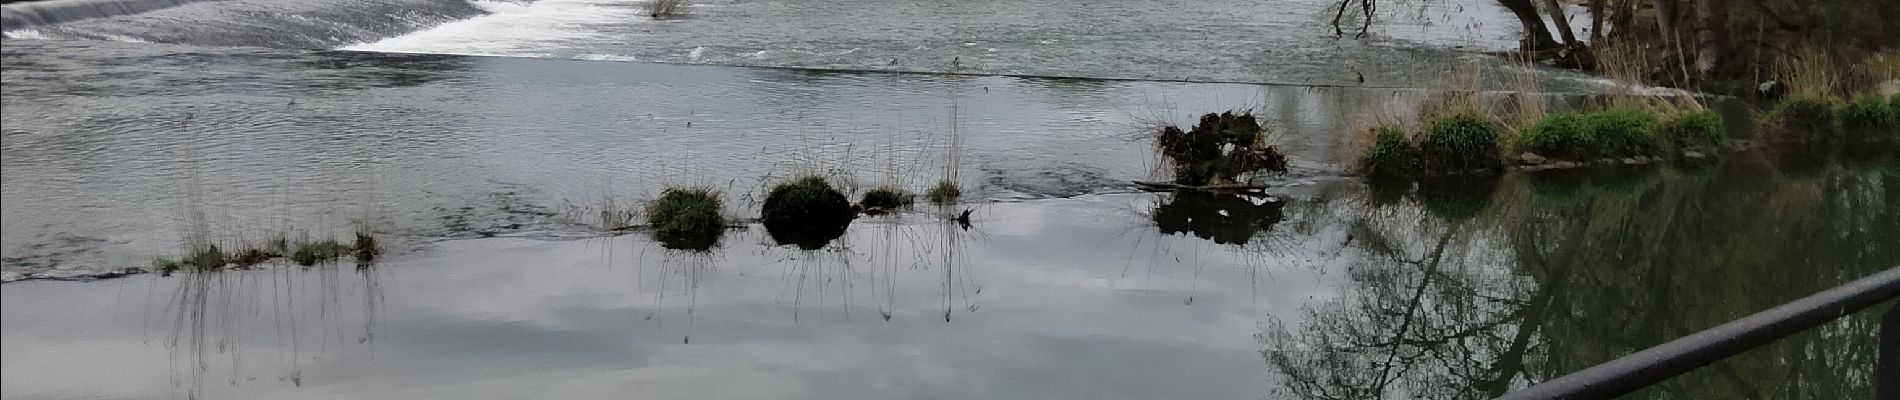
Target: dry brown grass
(1876, 69)
(1527, 96)
(1810, 73)
(1458, 93)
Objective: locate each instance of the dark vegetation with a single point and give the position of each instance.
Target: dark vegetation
(887, 198)
(1220, 217)
(687, 219)
(210, 257)
(945, 193)
(806, 212)
(1221, 149)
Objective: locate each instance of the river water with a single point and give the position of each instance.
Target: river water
(232, 121)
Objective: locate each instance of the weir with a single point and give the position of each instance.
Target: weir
(28, 14)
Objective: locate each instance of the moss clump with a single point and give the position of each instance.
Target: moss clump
(1805, 119)
(806, 212)
(208, 258)
(308, 254)
(945, 193)
(1221, 148)
(1392, 156)
(687, 218)
(1458, 143)
(1624, 132)
(1695, 130)
(1561, 135)
(1868, 117)
(888, 198)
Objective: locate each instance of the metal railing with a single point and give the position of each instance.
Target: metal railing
(1644, 368)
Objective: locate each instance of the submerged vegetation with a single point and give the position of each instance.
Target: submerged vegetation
(807, 212)
(1221, 149)
(687, 218)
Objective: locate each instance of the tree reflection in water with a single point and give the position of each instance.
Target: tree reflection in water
(1563, 272)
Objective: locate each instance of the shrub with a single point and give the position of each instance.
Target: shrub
(1560, 135)
(945, 193)
(686, 218)
(806, 212)
(1460, 142)
(1805, 119)
(1391, 157)
(888, 198)
(1695, 130)
(1868, 117)
(1623, 132)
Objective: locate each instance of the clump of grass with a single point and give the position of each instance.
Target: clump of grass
(207, 258)
(1459, 143)
(945, 193)
(1695, 130)
(687, 218)
(666, 8)
(1805, 119)
(807, 212)
(365, 249)
(1563, 135)
(1624, 132)
(166, 266)
(252, 256)
(1221, 148)
(1392, 155)
(888, 198)
(1868, 117)
(311, 253)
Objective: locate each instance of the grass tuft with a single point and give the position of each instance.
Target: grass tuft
(888, 198)
(1868, 117)
(1392, 155)
(687, 218)
(1221, 148)
(945, 193)
(1805, 119)
(208, 258)
(1563, 135)
(1695, 130)
(807, 212)
(365, 249)
(1460, 142)
(1623, 132)
(312, 253)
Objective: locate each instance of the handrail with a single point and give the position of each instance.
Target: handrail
(1644, 368)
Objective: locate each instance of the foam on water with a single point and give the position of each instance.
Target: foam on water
(513, 29)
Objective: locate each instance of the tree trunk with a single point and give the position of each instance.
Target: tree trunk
(1536, 37)
(1563, 24)
(1712, 36)
(1596, 20)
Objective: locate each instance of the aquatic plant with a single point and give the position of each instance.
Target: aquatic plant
(252, 256)
(887, 198)
(1623, 132)
(1461, 142)
(311, 253)
(945, 193)
(806, 212)
(686, 218)
(365, 249)
(207, 258)
(1695, 130)
(166, 266)
(1563, 135)
(1805, 119)
(1392, 155)
(1221, 148)
(1868, 117)
(665, 8)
